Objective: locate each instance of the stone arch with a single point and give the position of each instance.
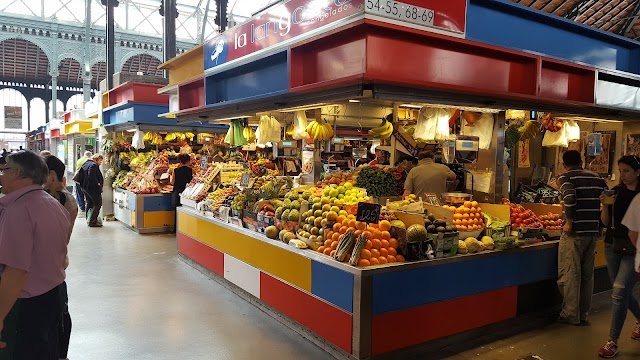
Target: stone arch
(145, 63)
(128, 54)
(33, 62)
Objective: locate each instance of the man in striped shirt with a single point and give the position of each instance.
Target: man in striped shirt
(581, 192)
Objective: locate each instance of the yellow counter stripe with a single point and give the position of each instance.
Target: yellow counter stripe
(159, 218)
(288, 266)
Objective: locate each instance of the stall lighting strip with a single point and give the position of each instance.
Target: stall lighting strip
(463, 108)
(585, 119)
(309, 107)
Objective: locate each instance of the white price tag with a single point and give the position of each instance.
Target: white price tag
(400, 11)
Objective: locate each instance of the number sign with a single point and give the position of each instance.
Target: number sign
(244, 182)
(203, 162)
(369, 213)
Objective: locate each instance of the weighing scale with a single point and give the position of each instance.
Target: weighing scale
(337, 144)
(290, 148)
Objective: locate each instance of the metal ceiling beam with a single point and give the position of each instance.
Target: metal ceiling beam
(599, 19)
(633, 17)
(615, 19)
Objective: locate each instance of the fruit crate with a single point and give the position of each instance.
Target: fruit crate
(264, 222)
(250, 220)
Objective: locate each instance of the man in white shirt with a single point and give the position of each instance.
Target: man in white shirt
(632, 221)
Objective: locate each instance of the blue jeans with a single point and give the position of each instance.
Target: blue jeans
(80, 198)
(623, 276)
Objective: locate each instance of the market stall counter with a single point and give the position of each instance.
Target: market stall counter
(367, 312)
(144, 213)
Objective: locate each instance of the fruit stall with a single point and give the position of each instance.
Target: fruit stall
(335, 251)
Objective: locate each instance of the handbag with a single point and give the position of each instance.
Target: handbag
(621, 245)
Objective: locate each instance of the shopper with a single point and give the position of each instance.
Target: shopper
(428, 177)
(581, 192)
(620, 251)
(79, 194)
(180, 177)
(34, 229)
(55, 186)
(91, 181)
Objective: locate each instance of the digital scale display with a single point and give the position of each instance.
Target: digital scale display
(338, 140)
(467, 144)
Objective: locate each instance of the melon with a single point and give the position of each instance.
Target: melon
(398, 224)
(272, 232)
(416, 232)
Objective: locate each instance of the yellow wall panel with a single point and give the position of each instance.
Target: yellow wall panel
(283, 264)
(159, 218)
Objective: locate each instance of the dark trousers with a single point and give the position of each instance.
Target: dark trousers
(94, 204)
(34, 335)
(64, 328)
(80, 198)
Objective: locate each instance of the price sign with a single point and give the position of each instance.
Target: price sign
(244, 181)
(369, 213)
(401, 11)
(432, 199)
(203, 162)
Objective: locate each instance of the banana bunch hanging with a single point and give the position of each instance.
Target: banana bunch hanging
(320, 131)
(530, 130)
(290, 130)
(383, 131)
(249, 134)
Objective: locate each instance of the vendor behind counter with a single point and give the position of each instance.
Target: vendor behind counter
(428, 177)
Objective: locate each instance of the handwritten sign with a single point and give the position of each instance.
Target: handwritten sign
(244, 181)
(369, 213)
(203, 162)
(431, 198)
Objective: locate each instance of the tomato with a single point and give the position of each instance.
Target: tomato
(518, 220)
(522, 216)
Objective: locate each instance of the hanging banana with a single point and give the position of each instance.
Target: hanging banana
(383, 131)
(320, 131)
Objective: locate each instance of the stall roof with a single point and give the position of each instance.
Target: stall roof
(620, 17)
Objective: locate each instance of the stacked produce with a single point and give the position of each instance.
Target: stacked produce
(523, 218)
(338, 178)
(239, 202)
(217, 198)
(469, 217)
(178, 136)
(373, 244)
(551, 221)
(377, 182)
(436, 226)
(320, 130)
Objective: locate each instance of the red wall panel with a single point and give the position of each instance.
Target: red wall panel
(191, 95)
(448, 65)
(567, 82)
(403, 328)
(204, 255)
(325, 320)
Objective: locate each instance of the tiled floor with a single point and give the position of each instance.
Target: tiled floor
(131, 297)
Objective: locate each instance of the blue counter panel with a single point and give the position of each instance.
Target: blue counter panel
(506, 24)
(139, 113)
(158, 203)
(332, 285)
(265, 77)
(404, 289)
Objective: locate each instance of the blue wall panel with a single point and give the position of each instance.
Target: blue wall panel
(405, 289)
(158, 203)
(265, 77)
(506, 24)
(333, 285)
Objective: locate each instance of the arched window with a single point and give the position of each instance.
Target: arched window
(75, 102)
(59, 108)
(38, 113)
(13, 110)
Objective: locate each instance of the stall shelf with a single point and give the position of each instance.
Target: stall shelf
(374, 311)
(144, 214)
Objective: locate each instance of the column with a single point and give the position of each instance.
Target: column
(86, 86)
(54, 94)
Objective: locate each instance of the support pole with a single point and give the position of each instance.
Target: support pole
(54, 95)
(86, 73)
(169, 35)
(111, 41)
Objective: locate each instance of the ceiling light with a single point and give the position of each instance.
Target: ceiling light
(411, 106)
(354, 101)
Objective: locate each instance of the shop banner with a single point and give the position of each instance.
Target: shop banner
(524, 154)
(278, 27)
(445, 17)
(13, 117)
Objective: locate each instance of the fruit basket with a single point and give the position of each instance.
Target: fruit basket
(455, 198)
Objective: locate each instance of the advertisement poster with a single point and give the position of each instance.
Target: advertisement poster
(603, 164)
(13, 117)
(633, 145)
(523, 154)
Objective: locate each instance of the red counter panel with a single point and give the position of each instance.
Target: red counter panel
(325, 320)
(399, 329)
(204, 255)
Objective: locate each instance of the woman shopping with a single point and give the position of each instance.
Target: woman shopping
(620, 252)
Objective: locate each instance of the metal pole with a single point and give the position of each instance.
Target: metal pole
(204, 22)
(170, 12)
(54, 96)
(86, 72)
(111, 62)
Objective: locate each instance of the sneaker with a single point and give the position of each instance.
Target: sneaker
(95, 225)
(635, 335)
(609, 350)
